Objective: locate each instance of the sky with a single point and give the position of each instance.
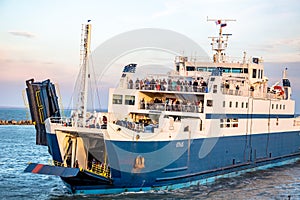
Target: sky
(41, 39)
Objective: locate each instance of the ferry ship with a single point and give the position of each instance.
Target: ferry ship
(197, 123)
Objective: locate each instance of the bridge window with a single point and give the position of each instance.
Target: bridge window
(129, 100)
(224, 103)
(226, 70)
(246, 70)
(117, 99)
(242, 105)
(254, 73)
(230, 104)
(210, 69)
(190, 68)
(237, 70)
(202, 69)
(236, 104)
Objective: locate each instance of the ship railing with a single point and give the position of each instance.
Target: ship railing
(100, 169)
(97, 168)
(70, 122)
(65, 121)
(177, 107)
(55, 163)
(175, 87)
(253, 94)
(134, 126)
(235, 92)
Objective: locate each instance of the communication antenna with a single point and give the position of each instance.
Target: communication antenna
(219, 43)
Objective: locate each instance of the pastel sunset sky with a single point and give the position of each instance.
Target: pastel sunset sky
(41, 39)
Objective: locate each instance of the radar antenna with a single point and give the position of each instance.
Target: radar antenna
(219, 43)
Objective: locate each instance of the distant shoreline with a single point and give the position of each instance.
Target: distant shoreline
(15, 122)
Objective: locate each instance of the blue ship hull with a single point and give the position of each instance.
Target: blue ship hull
(230, 156)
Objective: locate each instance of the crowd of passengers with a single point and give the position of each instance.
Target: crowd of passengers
(137, 126)
(195, 85)
(172, 105)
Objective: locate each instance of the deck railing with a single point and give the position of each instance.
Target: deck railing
(175, 107)
(168, 87)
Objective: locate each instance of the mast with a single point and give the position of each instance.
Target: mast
(219, 43)
(85, 75)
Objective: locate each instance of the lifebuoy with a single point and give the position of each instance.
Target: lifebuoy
(278, 90)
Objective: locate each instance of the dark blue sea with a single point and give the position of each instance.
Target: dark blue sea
(17, 148)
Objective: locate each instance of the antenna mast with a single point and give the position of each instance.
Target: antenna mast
(219, 43)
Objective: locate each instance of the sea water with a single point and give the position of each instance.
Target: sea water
(17, 148)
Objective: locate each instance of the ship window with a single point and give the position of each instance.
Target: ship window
(200, 126)
(236, 104)
(229, 123)
(215, 89)
(246, 70)
(226, 70)
(237, 70)
(210, 69)
(209, 103)
(283, 107)
(177, 68)
(242, 105)
(224, 103)
(246, 104)
(117, 99)
(230, 104)
(190, 68)
(201, 69)
(276, 106)
(261, 73)
(129, 100)
(272, 106)
(280, 106)
(253, 73)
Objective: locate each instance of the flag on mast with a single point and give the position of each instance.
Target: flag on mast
(218, 22)
(223, 25)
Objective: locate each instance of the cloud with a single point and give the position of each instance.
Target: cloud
(23, 34)
(279, 50)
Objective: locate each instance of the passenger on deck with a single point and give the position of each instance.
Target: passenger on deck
(203, 85)
(195, 85)
(130, 84)
(141, 85)
(143, 103)
(137, 84)
(76, 165)
(163, 84)
(237, 89)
